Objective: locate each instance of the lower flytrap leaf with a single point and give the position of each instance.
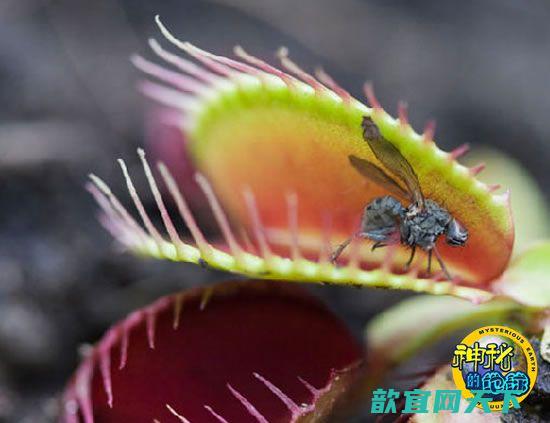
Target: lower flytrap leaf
(248, 351)
(256, 130)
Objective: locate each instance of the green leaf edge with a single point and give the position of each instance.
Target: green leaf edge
(378, 329)
(284, 269)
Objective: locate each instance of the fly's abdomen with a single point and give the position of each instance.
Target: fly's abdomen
(381, 218)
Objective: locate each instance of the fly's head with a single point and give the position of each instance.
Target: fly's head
(457, 235)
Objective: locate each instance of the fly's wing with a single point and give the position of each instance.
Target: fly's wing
(378, 176)
(392, 159)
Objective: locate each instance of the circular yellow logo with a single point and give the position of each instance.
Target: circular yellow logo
(496, 366)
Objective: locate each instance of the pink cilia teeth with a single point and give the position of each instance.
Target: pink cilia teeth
(168, 369)
(182, 64)
(354, 254)
(206, 59)
(172, 232)
(253, 411)
(429, 131)
(493, 187)
(139, 205)
(205, 297)
(292, 207)
(402, 113)
(388, 260)
(459, 151)
(215, 415)
(184, 211)
(176, 414)
(175, 79)
(219, 215)
(265, 67)
(325, 249)
(326, 79)
(371, 98)
(476, 170)
(292, 67)
(294, 408)
(257, 226)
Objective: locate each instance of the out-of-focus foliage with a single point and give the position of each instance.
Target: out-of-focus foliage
(526, 280)
(529, 205)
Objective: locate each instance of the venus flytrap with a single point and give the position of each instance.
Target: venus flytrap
(271, 150)
(259, 135)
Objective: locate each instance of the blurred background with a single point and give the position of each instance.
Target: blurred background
(68, 106)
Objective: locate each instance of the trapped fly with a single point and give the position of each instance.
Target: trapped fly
(385, 220)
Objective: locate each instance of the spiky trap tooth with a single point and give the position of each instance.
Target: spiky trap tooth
(182, 64)
(152, 231)
(292, 210)
(429, 131)
(493, 187)
(477, 169)
(289, 80)
(181, 418)
(215, 415)
(368, 89)
(105, 368)
(402, 113)
(459, 151)
(184, 211)
(253, 411)
(293, 68)
(294, 409)
(165, 96)
(124, 341)
(172, 78)
(219, 215)
(326, 79)
(257, 226)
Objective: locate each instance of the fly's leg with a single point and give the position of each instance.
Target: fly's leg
(334, 256)
(411, 258)
(378, 244)
(429, 263)
(443, 267)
